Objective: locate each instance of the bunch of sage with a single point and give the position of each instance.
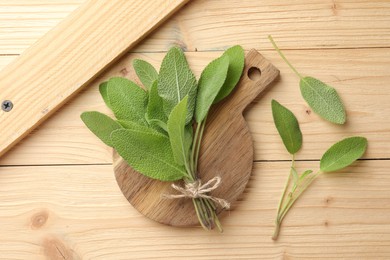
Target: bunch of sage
(158, 130)
(324, 100)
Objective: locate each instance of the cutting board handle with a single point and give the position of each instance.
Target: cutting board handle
(257, 75)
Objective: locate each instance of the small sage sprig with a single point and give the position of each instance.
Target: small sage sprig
(322, 98)
(337, 157)
(154, 128)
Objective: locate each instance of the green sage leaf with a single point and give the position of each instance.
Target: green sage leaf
(210, 83)
(323, 99)
(155, 114)
(175, 81)
(287, 125)
(128, 101)
(176, 130)
(158, 125)
(145, 72)
(236, 56)
(305, 173)
(343, 153)
(103, 93)
(137, 127)
(101, 125)
(148, 153)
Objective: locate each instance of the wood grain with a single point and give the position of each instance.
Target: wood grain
(23, 22)
(226, 151)
(69, 57)
(81, 209)
(213, 25)
(78, 211)
(360, 76)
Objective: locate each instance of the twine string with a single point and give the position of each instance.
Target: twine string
(196, 189)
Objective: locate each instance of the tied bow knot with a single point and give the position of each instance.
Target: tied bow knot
(198, 190)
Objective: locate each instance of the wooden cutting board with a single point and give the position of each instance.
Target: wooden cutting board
(226, 151)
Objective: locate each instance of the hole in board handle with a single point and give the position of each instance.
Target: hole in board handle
(254, 73)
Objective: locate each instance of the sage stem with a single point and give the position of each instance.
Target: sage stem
(203, 124)
(278, 220)
(200, 216)
(294, 198)
(195, 145)
(290, 202)
(285, 187)
(283, 57)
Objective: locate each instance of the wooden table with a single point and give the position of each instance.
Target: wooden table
(58, 195)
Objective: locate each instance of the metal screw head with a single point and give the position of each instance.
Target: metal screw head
(7, 105)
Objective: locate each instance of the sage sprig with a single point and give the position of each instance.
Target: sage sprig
(322, 98)
(337, 157)
(154, 128)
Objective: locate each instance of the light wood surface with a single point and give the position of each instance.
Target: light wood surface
(226, 151)
(342, 216)
(215, 24)
(58, 194)
(361, 77)
(70, 56)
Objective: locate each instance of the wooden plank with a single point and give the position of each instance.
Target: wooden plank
(23, 22)
(69, 56)
(80, 211)
(5, 60)
(212, 25)
(361, 77)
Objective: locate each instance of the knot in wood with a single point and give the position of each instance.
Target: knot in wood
(39, 219)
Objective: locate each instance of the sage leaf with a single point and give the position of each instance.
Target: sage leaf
(175, 81)
(103, 93)
(343, 153)
(148, 153)
(155, 114)
(137, 127)
(145, 72)
(176, 131)
(323, 99)
(101, 125)
(236, 56)
(210, 82)
(128, 101)
(287, 125)
(158, 125)
(305, 173)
